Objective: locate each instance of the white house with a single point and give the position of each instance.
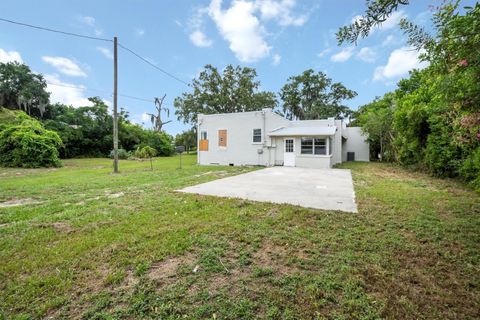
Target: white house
(267, 139)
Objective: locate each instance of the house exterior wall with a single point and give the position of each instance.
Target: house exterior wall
(356, 142)
(301, 160)
(240, 149)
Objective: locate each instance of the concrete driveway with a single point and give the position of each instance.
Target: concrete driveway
(328, 189)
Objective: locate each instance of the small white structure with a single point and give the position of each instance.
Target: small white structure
(267, 139)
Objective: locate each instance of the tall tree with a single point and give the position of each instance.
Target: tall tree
(312, 96)
(22, 89)
(233, 90)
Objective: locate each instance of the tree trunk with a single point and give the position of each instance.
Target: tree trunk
(151, 164)
(381, 149)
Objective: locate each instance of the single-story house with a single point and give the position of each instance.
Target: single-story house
(267, 139)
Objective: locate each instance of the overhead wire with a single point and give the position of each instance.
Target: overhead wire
(152, 64)
(54, 30)
(98, 39)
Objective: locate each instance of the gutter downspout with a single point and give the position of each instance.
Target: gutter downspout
(264, 139)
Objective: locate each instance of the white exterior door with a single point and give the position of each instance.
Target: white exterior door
(289, 152)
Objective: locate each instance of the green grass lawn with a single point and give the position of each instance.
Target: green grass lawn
(90, 244)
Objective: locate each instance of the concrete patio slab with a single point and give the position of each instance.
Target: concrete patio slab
(328, 189)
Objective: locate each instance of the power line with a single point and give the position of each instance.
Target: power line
(98, 39)
(153, 65)
(56, 31)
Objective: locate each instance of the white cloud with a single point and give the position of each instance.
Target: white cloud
(65, 66)
(367, 54)
(199, 39)
(10, 56)
(107, 53)
(276, 59)
(280, 11)
(88, 20)
(343, 55)
(393, 20)
(400, 62)
(243, 25)
(91, 22)
(390, 39)
(66, 93)
(145, 117)
(139, 32)
(324, 52)
(241, 28)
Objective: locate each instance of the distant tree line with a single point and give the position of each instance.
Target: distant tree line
(310, 95)
(83, 132)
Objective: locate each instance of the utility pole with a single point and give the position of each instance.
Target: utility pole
(115, 115)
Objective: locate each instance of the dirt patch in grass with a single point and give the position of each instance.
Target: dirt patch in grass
(115, 195)
(63, 227)
(19, 202)
(275, 257)
(166, 270)
(128, 283)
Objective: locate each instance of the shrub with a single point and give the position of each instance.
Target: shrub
(160, 141)
(10, 117)
(29, 145)
(122, 154)
(470, 170)
(146, 152)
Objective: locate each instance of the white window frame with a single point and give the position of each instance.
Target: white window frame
(206, 134)
(253, 136)
(326, 146)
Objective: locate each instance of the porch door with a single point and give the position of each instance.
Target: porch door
(289, 152)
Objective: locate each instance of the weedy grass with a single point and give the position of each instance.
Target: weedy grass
(93, 245)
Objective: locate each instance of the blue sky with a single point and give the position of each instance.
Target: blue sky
(279, 38)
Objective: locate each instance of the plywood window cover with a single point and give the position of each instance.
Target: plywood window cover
(203, 145)
(222, 138)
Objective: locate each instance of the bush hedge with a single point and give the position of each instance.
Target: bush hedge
(26, 143)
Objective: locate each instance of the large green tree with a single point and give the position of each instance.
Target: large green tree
(20, 88)
(233, 90)
(313, 95)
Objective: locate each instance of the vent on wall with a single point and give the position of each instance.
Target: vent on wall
(350, 156)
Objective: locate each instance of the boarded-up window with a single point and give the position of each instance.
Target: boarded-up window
(222, 138)
(203, 144)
